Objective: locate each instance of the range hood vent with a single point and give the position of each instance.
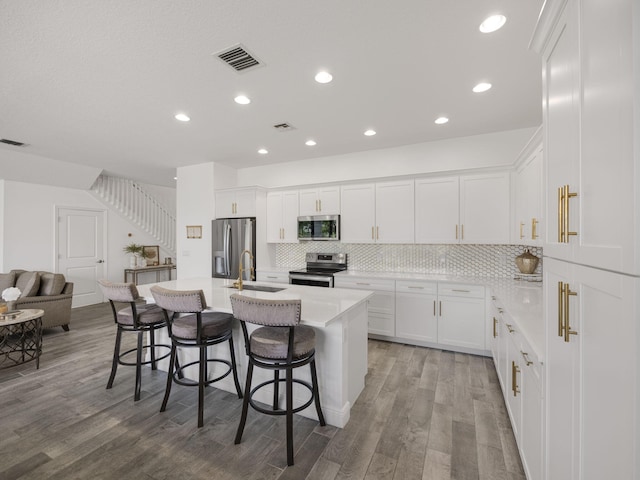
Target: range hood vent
(12, 142)
(239, 58)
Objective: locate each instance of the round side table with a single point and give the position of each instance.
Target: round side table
(20, 337)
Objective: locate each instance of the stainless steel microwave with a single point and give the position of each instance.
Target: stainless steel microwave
(319, 227)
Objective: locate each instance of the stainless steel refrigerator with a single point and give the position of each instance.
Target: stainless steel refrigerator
(231, 236)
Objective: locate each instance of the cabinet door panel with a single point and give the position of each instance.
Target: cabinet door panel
(485, 208)
(290, 216)
(437, 210)
(532, 421)
(394, 212)
(309, 202)
(461, 322)
(357, 223)
(274, 217)
(329, 200)
(416, 317)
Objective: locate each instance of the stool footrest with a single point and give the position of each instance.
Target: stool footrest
(280, 411)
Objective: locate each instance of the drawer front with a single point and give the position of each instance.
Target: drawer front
(461, 290)
(405, 286)
(274, 277)
(365, 284)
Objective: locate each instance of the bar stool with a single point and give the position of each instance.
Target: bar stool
(196, 329)
(138, 318)
(279, 344)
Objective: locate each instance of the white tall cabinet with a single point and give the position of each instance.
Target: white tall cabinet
(591, 109)
(282, 217)
(320, 201)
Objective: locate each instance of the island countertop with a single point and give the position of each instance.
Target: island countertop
(320, 306)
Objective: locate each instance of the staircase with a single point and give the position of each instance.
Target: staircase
(139, 207)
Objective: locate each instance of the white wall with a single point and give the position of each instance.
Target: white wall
(195, 206)
(28, 239)
(466, 153)
(2, 269)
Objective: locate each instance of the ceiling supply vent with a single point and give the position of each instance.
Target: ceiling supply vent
(238, 58)
(284, 127)
(12, 142)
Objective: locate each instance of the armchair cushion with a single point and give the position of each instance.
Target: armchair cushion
(28, 283)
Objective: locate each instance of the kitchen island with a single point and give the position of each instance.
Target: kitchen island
(339, 317)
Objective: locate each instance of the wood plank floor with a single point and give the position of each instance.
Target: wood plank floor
(424, 414)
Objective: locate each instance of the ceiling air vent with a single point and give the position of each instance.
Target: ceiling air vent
(238, 58)
(283, 127)
(12, 142)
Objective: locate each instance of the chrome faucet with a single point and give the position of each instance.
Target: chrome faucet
(238, 283)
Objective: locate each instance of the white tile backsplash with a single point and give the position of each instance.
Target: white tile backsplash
(464, 260)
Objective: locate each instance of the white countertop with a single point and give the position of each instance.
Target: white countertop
(320, 306)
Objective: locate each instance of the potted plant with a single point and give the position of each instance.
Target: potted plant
(135, 250)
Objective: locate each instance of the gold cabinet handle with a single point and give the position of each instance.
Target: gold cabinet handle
(560, 309)
(525, 355)
(500, 310)
(564, 194)
(462, 232)
(534, 228)
(377, 233)
(456, 232)
(495, 322)
(567, 326)
(373, 237)
(434, 308)
(521, 227)
(319, 205)
(510, 328)
(514, 378)
(440, 307)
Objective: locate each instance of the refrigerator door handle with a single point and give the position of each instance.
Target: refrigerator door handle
(227, 256)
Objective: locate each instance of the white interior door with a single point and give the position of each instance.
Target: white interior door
(80, 252)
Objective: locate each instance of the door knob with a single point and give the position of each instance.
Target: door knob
(100, 261)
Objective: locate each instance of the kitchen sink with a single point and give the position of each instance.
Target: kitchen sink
(260, 288)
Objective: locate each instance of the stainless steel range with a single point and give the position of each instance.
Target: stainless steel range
(320, 269)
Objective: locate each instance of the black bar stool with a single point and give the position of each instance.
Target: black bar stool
(196, 329)
(138, 318)
(279, 344)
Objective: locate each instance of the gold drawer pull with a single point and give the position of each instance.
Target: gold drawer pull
(525, 355)
(510, 328)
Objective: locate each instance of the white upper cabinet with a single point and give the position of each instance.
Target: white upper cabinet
(437, 210)
(589, 95)
(320, 201)
(282, 217)
(236, 203)
(485, 208)
(377, 213)
(528, 191)
(464, 209)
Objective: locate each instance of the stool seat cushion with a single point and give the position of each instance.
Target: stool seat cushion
(273, 342)
(147, 315)
(214, 324)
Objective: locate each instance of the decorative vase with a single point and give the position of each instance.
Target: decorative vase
(527, 262)
(11, 305)
(132, 261)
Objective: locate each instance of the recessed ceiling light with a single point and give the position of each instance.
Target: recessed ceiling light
(481, 87)
(323, 77)
(242, 100)
(175, 178)
(492, 23)
(310, 143)
(441, 120)
(263, 151)
(182, 117)
(370, 133)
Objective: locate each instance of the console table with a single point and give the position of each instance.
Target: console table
(21, 337)
(135, 272)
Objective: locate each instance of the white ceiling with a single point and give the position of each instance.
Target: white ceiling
(98, 82)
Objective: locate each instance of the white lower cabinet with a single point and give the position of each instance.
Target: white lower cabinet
(520, 375)
(461, 315)
(382, 319)
(416, 314)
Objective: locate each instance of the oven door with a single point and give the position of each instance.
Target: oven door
(311, 280)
